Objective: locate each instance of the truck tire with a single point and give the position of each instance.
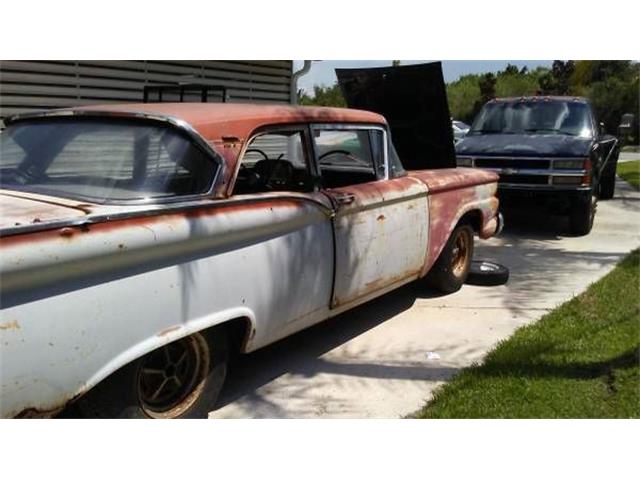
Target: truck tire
(450, 271)
(581, 217)
(179, 380)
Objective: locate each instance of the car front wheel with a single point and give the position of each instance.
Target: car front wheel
(450, 271)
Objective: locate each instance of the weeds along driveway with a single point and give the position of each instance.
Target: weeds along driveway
(384, 359)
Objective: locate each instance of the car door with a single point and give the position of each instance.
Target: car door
(604, 146)
(380, 224)
(289, 252)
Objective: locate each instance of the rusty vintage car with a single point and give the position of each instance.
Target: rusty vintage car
(144, 244)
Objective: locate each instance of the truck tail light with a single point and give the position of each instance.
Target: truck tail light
(586, 178)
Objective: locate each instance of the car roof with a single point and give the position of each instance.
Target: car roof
(225, 126)
(215, 121)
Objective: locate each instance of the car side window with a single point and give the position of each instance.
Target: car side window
(344, 157)
(275, 162)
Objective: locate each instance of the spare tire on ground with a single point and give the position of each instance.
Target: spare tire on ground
(487, 273)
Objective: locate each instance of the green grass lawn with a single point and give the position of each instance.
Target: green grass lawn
(630, 173)
(581, 360)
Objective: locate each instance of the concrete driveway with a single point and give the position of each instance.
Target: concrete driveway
(628, 156)
(385, 358)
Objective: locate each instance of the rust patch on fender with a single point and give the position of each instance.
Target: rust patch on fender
(12, 325)
(166, 331)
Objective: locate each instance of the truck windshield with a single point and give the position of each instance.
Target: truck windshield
(102, 160)
(540, 116)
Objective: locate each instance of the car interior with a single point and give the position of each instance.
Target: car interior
(276, 161)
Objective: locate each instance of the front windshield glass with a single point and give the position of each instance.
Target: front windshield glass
(554, 117)
(102, 160)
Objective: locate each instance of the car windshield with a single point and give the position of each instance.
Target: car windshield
(539, 116)
(102, 160)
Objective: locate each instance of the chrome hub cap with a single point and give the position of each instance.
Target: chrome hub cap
(172, 378)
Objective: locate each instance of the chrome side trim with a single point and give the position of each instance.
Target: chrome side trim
(163, 210)
(565, 172)
(500, 225)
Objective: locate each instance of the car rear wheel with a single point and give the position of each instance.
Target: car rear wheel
(179, 380)
(450, 271)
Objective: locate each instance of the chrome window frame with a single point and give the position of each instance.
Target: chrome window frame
(171, 121)
(274, 128)
(355, 126)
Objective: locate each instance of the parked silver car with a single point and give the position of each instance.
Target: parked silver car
(460, 129)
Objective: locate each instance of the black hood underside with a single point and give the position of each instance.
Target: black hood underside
(413, 99)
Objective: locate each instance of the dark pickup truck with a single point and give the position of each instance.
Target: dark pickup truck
(549, 151)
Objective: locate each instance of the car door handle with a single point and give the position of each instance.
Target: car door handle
(345, 198)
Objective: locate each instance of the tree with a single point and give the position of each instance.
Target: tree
(463, 95)
(323, 96)
(587, 72)
(487, 86)
(557, 81)
(509, 70)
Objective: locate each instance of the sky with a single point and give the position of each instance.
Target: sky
(322, 72)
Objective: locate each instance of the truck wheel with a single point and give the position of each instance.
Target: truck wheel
(179, 380)
(452, 267)
(581, 217)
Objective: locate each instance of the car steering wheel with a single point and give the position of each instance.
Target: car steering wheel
(252, 178)
(335, 152)
(256, 150)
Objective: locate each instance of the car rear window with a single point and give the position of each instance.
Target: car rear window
(103, 160)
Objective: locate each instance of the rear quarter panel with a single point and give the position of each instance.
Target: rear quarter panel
(77, 306)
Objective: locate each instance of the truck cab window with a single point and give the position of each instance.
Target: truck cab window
(274, 162)
(344, 157)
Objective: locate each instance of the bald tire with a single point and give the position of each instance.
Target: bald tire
(443, 275)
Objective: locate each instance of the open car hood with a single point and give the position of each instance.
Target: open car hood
(413, 99)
